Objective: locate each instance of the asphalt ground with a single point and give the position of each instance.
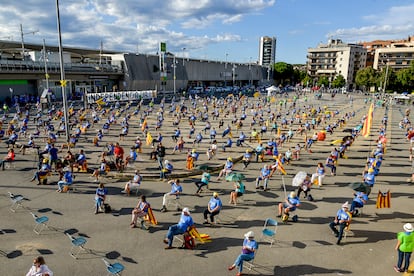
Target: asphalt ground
(306, 247)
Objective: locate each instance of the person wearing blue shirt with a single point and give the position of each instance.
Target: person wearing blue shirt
(81, 158)
(12, 139)
(242, 138)
(358, 202)
(226, 131)
(259, 151)
(205, 178)
(319, 174)
(174, 194)
(166, 169)
(369, 180)
(213, 208)
(213, 134)
(158, 139)
(53, 155)
(249, 249)
(228, 168)
(198, 138)
(264, 175)
(228, 144)
(185, 222)
(290, 204)
(330, 163)
(342, 219)
(135, 182)
(176, 135)
(100, 196)
(67, 179)
(247, 157)
(44, 169)
(140, 211)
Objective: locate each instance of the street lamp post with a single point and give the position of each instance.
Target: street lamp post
(250, 72)
(225, 71)
(183, 49)
(233, 70)
(174, 77)
(46, 74)
(386, 77)
(62, 74)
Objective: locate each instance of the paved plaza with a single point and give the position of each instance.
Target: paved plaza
(306, 247)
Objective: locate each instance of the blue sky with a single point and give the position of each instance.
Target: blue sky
(207, 29)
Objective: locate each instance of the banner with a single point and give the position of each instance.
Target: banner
(149, 138)
(366, 130)
(384, 200)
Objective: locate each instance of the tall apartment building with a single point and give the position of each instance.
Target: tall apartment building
(267, 50)
(336, 58)
(372, 46)
(397, 55)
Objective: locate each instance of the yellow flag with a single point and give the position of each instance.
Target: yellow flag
(63, 83)
(149, 138)
(100, 101)
(47, 76)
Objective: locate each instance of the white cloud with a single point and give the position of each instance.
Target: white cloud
(396, 22)
(128, 24)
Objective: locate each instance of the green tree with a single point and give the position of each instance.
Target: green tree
(405, 77)
(283, 72)
(323, 81)
(391, 80)
(298, 76)
(366, 78)
(338, 82)
(307, 81)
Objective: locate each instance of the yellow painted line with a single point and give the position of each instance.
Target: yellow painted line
(410, 268)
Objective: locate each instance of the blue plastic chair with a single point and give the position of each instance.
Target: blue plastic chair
(76, 243)
(269, 231)
(113, 269)
(41, 223)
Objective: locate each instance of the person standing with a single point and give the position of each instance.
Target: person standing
(185, 222)
(213, 208)
(100, 196)
(342, 219)
(39, 268)
(119, 157)
(249, 249)
(404, 247)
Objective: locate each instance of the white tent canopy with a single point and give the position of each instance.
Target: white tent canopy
(271, 89)
(402, 97)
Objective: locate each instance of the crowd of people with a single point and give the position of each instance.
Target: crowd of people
(274, 134)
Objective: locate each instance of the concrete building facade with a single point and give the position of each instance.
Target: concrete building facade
(267, 51)
(336, 58)
(397, 55)
(97, 71)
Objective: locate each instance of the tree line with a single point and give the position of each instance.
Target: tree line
(366, 79)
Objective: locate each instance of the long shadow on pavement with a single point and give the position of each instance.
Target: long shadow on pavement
(306, 269)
